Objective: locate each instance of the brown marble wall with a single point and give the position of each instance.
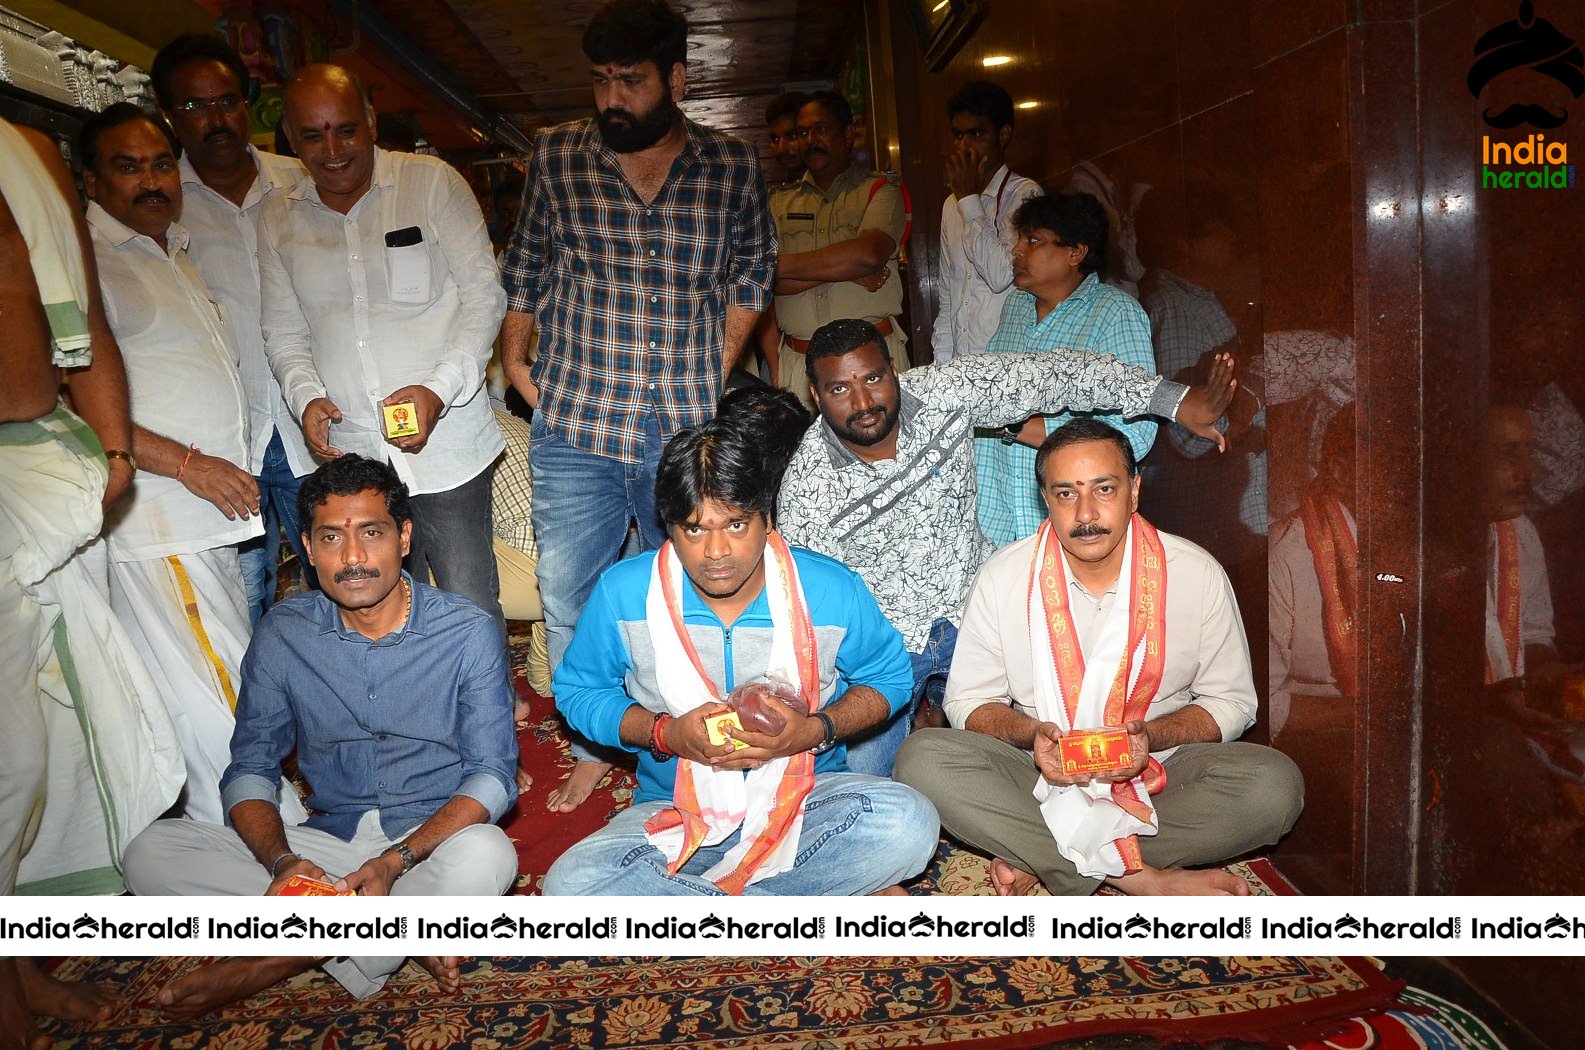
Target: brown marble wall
(1427, 325)
(1223, 131)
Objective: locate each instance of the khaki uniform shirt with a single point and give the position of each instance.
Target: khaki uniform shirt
(807, 219)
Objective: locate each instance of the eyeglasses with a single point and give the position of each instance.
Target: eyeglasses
(225, 103)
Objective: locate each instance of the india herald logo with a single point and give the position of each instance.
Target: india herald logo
(1532, 44)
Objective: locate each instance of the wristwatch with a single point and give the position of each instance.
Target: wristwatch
(1009, 434)
(121, 453)
(401, 850)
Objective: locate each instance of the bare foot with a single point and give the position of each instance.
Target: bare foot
(226, 981)
(1011, 881)
(445, 969)
(1181, 882)
(579, 785)
(890, 891)
(521, 710)
(69, 1002)
(525, 780)
(18, 1031)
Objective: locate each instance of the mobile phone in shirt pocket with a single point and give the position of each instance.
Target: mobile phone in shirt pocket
(407, 265)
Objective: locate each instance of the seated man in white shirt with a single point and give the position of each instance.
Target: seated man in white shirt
(1104, 652)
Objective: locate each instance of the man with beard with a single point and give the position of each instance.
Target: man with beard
(886, 482)
(380, 289)
(644, 256)
(174, 578)
(839, 227)
(394, 697)
(202, 85)
(1100, 622)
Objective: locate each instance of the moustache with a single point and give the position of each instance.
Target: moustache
(357, 574)
(1081, 531)
(874, 413)
(614, 116)
(151, 197)
(1523, 113)
(219, 133)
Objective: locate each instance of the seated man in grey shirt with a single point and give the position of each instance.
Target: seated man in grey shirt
(396, 699)
(886, 483)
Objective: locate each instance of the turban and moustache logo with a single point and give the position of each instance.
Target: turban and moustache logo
(1527, 43)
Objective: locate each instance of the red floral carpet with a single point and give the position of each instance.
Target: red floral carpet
(833, 1004)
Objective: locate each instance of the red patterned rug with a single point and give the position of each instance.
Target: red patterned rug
(716, 1004)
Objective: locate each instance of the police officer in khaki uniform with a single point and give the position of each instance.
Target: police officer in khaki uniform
(839, 229)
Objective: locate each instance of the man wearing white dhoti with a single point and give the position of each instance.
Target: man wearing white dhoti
(175, 581)
(86, 759)
(1101, 621)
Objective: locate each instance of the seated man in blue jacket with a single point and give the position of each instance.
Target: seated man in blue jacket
(396, 698)
(662, 644)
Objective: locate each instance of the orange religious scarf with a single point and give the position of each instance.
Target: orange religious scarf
(1138, 675)
(1335, 553)
(1506, 538)
(767, 803)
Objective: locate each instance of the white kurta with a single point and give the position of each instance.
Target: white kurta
(175, 583)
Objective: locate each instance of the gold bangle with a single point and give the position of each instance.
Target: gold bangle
(121, 453)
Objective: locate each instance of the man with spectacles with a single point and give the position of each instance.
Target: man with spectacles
(202, 85)
(840, 228)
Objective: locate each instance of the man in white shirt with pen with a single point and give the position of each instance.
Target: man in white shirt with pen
(380, 289)
(976, 229)
(202, 85)
(174, 581)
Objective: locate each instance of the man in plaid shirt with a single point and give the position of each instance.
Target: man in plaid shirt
(644, 256)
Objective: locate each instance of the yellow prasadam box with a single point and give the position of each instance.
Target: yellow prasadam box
(714, 725)
(401, 419)
(1095, 751)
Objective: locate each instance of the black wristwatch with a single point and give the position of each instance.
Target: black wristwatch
(1009, 434)
(409, 862)
(829, 739)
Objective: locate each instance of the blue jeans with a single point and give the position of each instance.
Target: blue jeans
(452, 537)
(583, 504)
(875, 752)
(860, 834)
(278, 503)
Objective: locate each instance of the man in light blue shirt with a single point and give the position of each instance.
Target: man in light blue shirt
(1060, 303)
(396, 698)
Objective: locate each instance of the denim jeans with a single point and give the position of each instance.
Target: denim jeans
(875, 752)
(278, 503)
(451, 535)
(860, 834)
(583, 504)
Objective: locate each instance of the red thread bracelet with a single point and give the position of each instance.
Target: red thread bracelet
(185, 460)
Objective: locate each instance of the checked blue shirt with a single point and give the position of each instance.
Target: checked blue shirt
(1097, 319)
(631, 298)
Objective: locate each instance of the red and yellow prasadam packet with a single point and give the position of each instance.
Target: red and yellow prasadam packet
(1095, 751)
(303, 886)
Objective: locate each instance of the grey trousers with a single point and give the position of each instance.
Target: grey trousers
(188, 858)
(1221, 800)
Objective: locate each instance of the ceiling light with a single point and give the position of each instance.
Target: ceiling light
(1031, 104)
(939, 6)
(996, 60)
